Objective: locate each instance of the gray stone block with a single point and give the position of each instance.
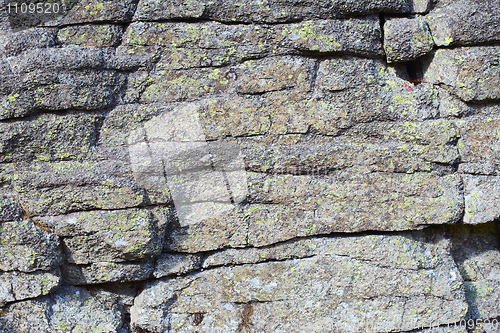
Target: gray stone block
(406, 39)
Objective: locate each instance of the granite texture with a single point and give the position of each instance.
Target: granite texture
(251, 166)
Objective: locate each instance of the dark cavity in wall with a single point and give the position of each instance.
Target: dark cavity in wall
(415, 71)
(411, 71)
(382, 22)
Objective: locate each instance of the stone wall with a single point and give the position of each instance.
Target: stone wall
(251, 166)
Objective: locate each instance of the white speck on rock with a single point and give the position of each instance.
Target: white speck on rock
(121, 242)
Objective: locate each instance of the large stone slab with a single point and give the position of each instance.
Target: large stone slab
(251, 77)
(473, 73)
(13, 43)
(49, 137)
(275, 74)
(211, 226)
(283, 207)
(93, 11)
(359, 247)
(72, 78)
(342, 288)
(176, 264)
(465, 22)
(189, 45)
(124, 119)
(63, 187)
(364, 90)
(269, 11)
(64, 58)
(31, 93)
(302, 155)
(96, 35)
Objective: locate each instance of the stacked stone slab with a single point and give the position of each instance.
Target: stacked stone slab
(251, 166)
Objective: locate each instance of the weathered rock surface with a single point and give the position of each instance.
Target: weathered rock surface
(176, 264)
(423, 6)
(15, 286)
(215, 44)
(34, 92)
(265, 11)
(382, 202)
(106, 272)
(68, 310)
(105, 35)
(479, 146)
(343, 287)
(9, 210)
(49, 137)
(471, 72)
(406, 39)
(98, 236)
(86, 11)
(26, 247)
(465, 22)
(13, 43)
(250, 166)
(64, 187)
(367, 90)
(477, 253)
(481, 199)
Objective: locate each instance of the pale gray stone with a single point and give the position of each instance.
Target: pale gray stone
(482, 199)
(250, 166)
(14, 43)
(328, 292)
(289, 206)
(62, 187)
(363, 90)
(49, 137)
(422, 6)
(54, 90)
(68, 310)
(214, 44)
(86, 11)
(358, 247)
(99, 35)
